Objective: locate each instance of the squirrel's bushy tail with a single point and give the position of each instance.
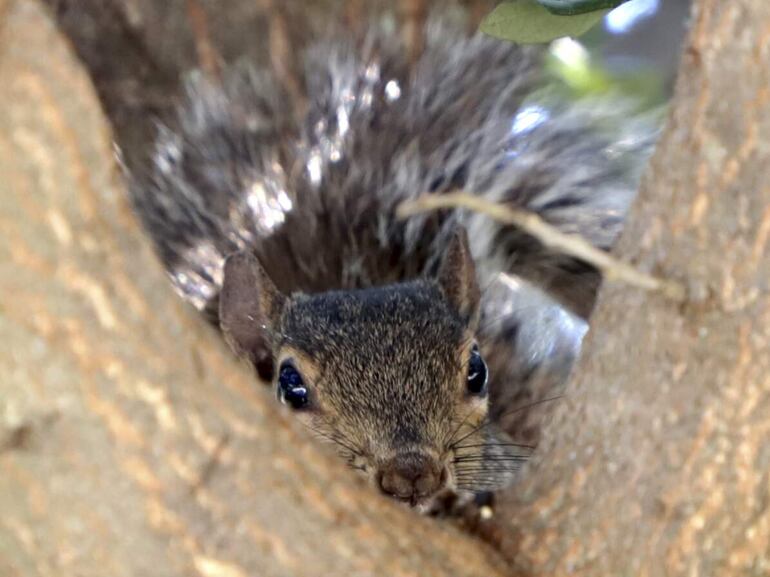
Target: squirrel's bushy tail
(314, 194)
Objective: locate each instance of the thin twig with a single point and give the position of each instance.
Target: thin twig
(414, 13)
(550, 236)
(283, 55)
(129, 20)
(208, 57)
(476, 10)
(354, 18)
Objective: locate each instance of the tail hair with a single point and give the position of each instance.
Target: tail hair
(315, 197)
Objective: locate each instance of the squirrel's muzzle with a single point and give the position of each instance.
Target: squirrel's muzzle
(411, 477)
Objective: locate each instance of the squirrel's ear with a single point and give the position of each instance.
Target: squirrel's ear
(249, 308)
(457, 277)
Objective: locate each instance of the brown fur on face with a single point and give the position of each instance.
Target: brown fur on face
(385, 369)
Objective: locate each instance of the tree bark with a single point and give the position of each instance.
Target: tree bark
(132, 444)
(658, 463)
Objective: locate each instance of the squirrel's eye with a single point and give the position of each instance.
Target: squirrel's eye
(477, 373)
(291, 388)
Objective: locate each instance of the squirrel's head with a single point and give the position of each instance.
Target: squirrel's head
(392, 375)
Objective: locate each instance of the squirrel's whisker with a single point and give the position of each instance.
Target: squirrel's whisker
(496, 444)
(488, 421)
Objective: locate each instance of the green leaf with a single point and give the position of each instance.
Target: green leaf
(527, 22)
(573, 7)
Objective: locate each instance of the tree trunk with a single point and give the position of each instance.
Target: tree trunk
(659, 461)
(132, 444)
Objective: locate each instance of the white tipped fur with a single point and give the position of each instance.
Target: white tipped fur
(315, 200)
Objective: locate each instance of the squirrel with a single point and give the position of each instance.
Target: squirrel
(399, 341)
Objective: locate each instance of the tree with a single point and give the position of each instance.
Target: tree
(131, 443)
(658, 462)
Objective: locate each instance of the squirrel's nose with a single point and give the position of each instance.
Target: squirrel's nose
(411, 476)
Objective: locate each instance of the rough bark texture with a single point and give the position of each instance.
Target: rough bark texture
(132, 444)
(659, 462)
(130, 441)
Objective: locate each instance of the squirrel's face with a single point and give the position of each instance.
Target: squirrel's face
(392, 375)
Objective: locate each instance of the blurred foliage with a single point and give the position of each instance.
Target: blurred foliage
(572, 7)
(529, 22)
(577, 65)
(581, 77)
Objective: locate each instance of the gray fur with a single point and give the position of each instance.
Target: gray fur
(236, 157)
(314, 200)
